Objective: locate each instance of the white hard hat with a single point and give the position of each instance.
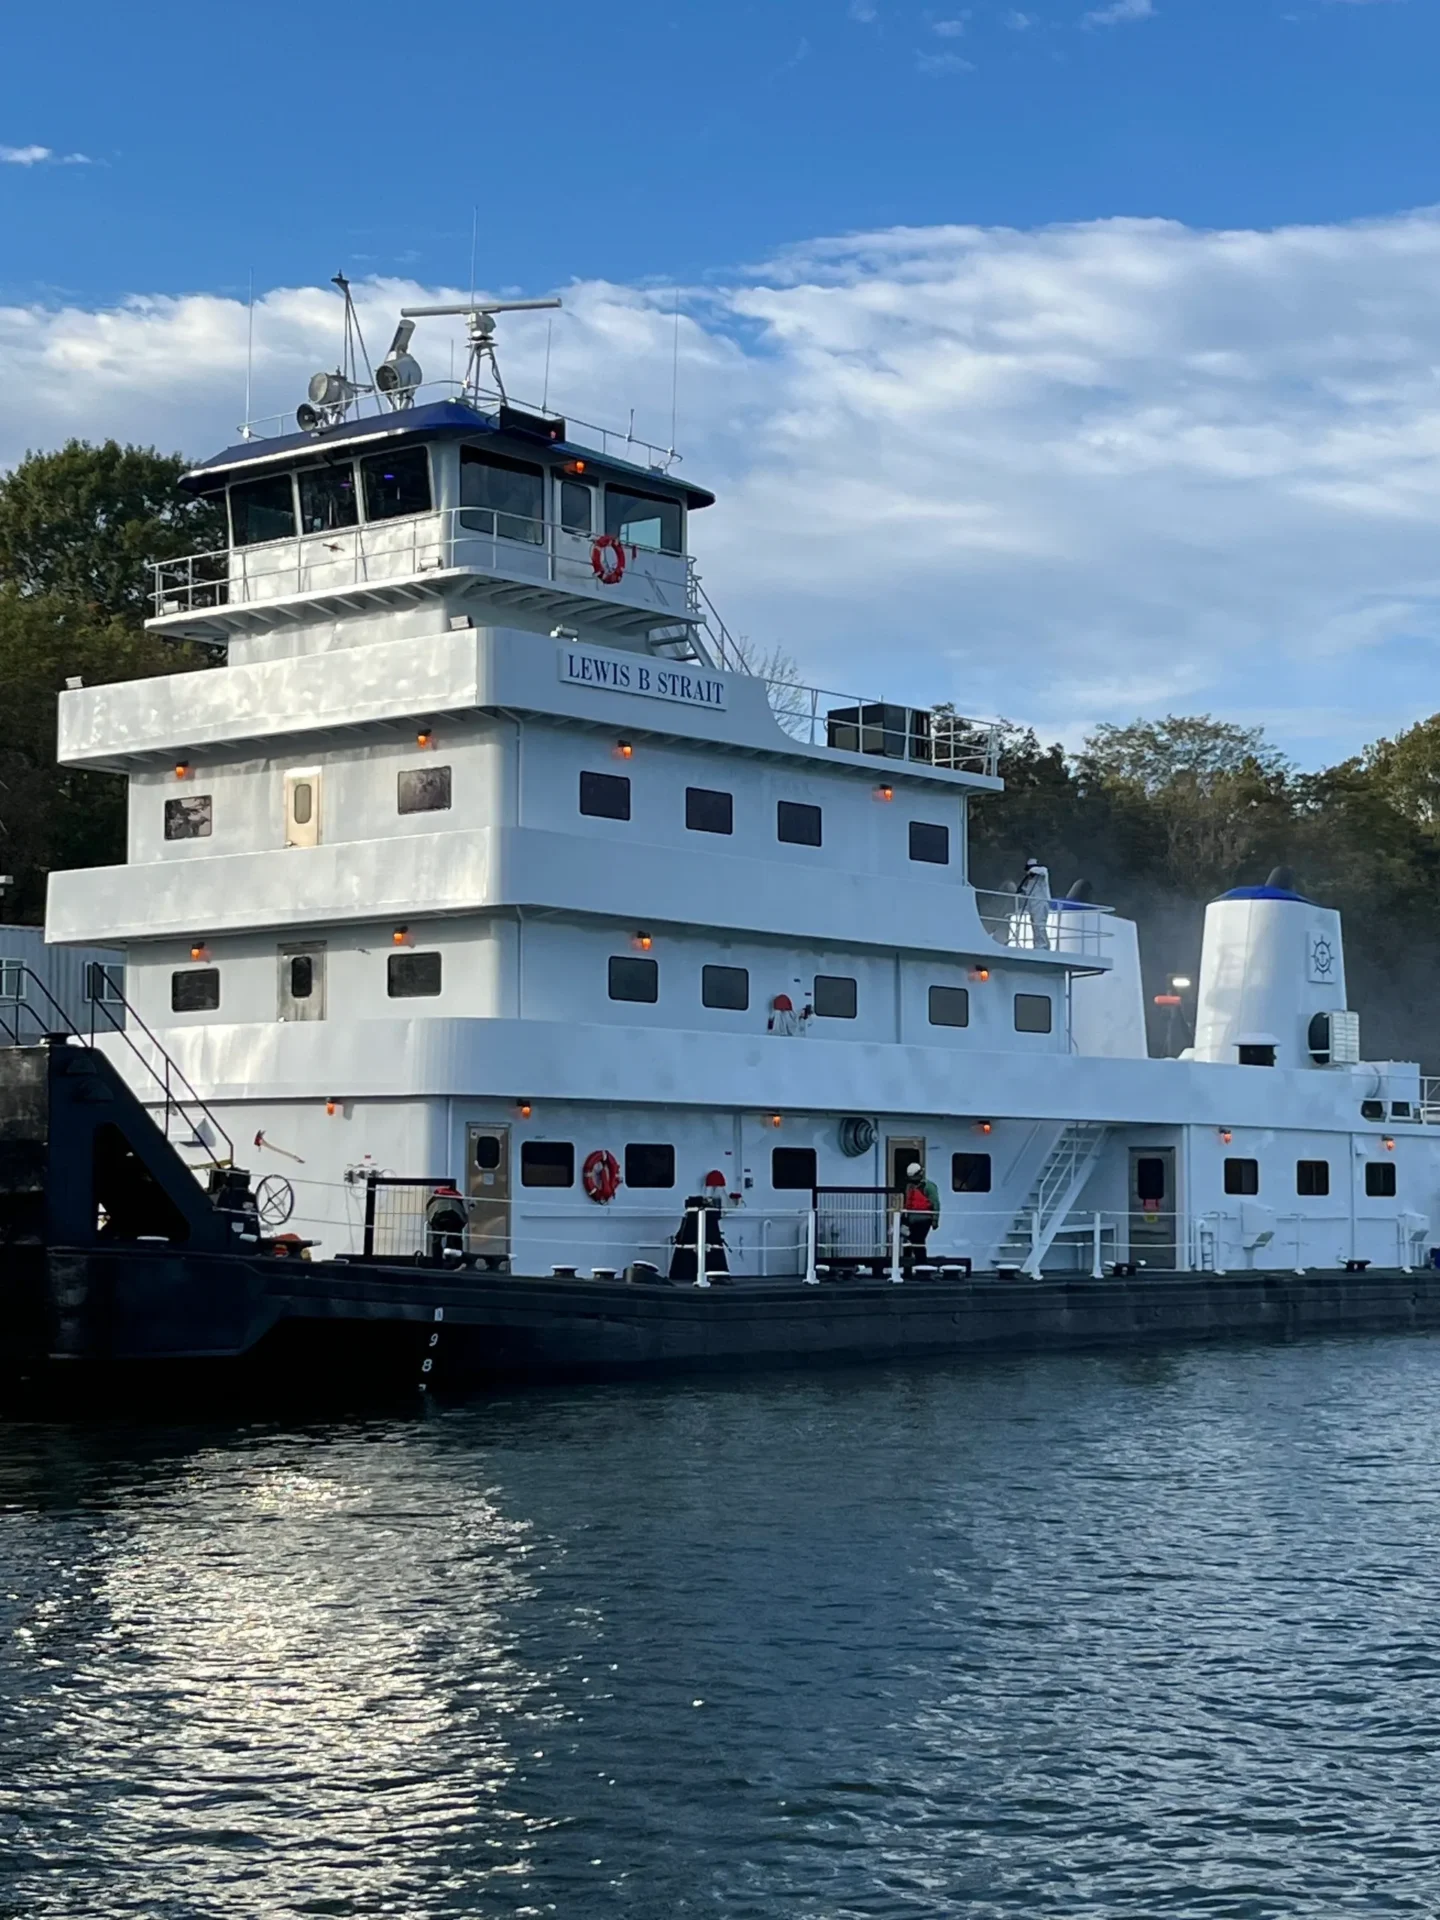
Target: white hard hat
(914, 1167)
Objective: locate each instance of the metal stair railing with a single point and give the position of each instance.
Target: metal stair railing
(179, 1096)
(1057, 1187)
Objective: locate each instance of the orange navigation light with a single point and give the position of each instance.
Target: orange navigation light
(1167, 1000)
(644, 942)
(624, 750)
(1226, 1136)
(332, 1107)
(1388, 1144)
(400, 937)
(573, 466)
(182, 769)
(884, 793)
(199, 950)
(984, 1126)
(524, 1109)
(777, 1120)
(979, 973)
(425, 738)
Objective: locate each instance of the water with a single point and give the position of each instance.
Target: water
(1119, 1636)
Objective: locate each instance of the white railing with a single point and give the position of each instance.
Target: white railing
(857, 723)
(1429, 1108)
(626, 445)
(476, 539)
(1013, 920)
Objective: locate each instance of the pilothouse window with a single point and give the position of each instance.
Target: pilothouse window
(262, 510)
(644, 520)
(327, 499)
(396, 483)
(504, 497)
(577, 506)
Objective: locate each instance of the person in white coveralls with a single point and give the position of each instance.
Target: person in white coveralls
(1033, 894)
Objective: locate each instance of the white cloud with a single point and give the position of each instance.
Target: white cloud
(40, 157)
(950, 29)
(1065, 475)
(943, 63)
(1016, 21)
(1119, 11)
(863, 11)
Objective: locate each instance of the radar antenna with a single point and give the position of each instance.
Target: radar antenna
(479, 318)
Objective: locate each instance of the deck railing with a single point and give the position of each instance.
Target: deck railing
(1064, 926)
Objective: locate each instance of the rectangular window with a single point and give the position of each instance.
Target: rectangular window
(1242, 1176)
(727, 987)
(834, 997)
(1312, 1177)
(970, 1172)
(797, 823)
(327, 499)
(707, 811)
(577, 507)
(547, 1163)
(300, 982)
(412, 976)
(644, 520)
(188, 819)
(422, 790)
(634, 979)
(506, 497)
(196, 990)
(396, 483)
(1034, 1013)
(1257, 1056)
(1380, 1179)
(302, 807)
(262, 510)
(792, 1169)
(103, 983)
(13, 980)
(650, 1166)
(949, 1006)
(930, 843)
(606, 796)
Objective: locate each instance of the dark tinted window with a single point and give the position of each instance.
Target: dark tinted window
(547, 1163)
(1312, 1177)
(1242, 1176)
(970, 1172)
(302, 976)
(797, 823)
(195, 991)
(709, 812)
(606, 795)
(327, 499)
(727, 987)
(949, 1006)
(1380, 1179)
(643, 520)
(423, 790)
(487, 1152)
(262, 510)
(1033, 1013)
(792, 1168)
(188, 819)
(650, 1166)
(413, 976)
(1150, 1178)
(577, 507)
(632, 979)
(834, 997)
(929, 843)
(1257, 1056)
(506, 496)
(396, 483)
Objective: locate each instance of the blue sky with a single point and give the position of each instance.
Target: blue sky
(667, 140)
(1066, 362)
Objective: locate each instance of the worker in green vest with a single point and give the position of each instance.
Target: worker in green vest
(920, 1212)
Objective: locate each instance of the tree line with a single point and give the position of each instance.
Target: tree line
(1158, 815)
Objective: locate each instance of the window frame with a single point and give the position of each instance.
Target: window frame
(960, 1183)
(930, 826)
(482, 457)
(637, 961)
(694, 795)
(1380, 1180)
(1306, 1172)
(724, 1006)
(614, 525)
(180, 807)
(1240, 1168)
(647, 1185)
(963, 993)
(1035, 999)
(562, 1154)
(257, 480)
(790, 812)
(808, 1154)
(604, 783)
(833, 980)
(211, 974)
(363, 466)
(396, 964)
(443, 773)
(329, 469)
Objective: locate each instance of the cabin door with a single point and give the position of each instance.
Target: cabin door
(487, 1193)
(1152, 1206)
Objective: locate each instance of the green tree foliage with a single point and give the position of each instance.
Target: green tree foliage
(76, 528)
(80, 524)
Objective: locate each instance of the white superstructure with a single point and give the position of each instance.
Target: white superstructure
(480, 853)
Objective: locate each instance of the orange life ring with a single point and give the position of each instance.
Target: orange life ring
(607, 559)
(601, 1175)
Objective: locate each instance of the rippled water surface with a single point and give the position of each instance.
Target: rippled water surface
(1068, 1636)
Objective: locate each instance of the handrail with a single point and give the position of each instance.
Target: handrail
(179, 1101)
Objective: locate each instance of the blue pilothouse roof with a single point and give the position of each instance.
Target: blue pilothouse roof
(438, 419)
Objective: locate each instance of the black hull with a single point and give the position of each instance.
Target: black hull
(102, 1324)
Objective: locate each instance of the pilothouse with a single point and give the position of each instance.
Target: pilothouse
(482, 868)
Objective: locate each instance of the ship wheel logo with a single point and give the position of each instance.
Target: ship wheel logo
(274, 1200)
(1322, 957)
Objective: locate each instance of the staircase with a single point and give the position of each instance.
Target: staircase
(1049, 1203)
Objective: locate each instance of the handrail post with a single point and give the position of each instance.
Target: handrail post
(702, 1251)
(812, 1278)
(896, 1276)
(367, 1243)
(1097, 1263)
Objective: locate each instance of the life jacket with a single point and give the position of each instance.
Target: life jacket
(917, 1200)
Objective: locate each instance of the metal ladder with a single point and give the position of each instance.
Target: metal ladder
(1057, 1187)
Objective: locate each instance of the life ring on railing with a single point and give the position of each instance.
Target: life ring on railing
(607, 559)
(601, 1176)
